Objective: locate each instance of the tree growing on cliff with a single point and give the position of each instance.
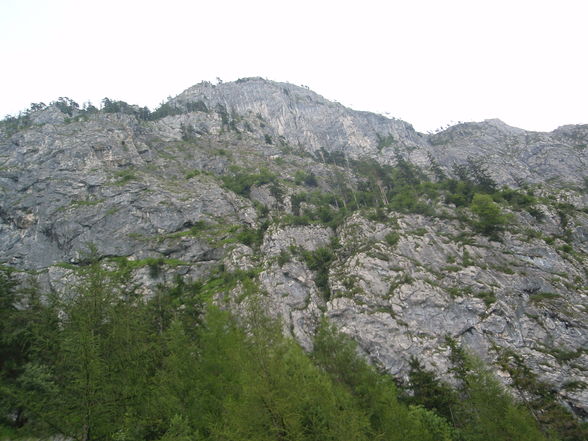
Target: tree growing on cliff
(490, 217)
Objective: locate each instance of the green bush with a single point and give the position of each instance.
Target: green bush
(284, 257)
(250, 237)
(487, 296)
(392, 238)
(124, 177)
(306, 178)
(490, 217)
(241, 182)
(319, 261)
(428, 391)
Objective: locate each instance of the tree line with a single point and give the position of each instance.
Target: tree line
(102, 362)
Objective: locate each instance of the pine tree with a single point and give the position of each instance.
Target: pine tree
(97, 369)
(486, 411)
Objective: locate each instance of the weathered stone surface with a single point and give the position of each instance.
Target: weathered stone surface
(301, 116)
(306, 119)
(154, 189)
(307, 237)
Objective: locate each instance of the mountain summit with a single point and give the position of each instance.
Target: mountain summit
(476, 235)
(304, 118)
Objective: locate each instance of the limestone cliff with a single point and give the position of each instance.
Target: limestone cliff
(264, 176)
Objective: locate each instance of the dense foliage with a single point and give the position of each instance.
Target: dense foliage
(104, 363)
(471, 196)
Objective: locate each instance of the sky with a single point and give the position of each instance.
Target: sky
(431, 63)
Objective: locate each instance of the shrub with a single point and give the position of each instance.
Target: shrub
(392, 238)
(490, 217)
(250, 237)
(241, 183)
(284, 257)
(487, 296)
(124, 177)
(319, 261)
(306, 178)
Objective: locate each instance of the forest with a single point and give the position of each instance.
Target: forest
(104, 362)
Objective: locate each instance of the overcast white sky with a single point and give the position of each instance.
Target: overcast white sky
(428, 62)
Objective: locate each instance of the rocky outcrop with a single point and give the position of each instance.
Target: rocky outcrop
(306, 119)
(515, 156)
(300, 116)
(156, 192)
(401, 300)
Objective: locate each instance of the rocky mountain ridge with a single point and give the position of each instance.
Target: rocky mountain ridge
(326, 212)
(308, 120)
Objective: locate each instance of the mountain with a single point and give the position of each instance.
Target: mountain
(405, 241)
(307, 120)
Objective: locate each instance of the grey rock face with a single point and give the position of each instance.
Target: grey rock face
(97, 182)
(50, 115)
(301, 116)
(140, 190)
(516, 155)
(306, 119)
(401, 301)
